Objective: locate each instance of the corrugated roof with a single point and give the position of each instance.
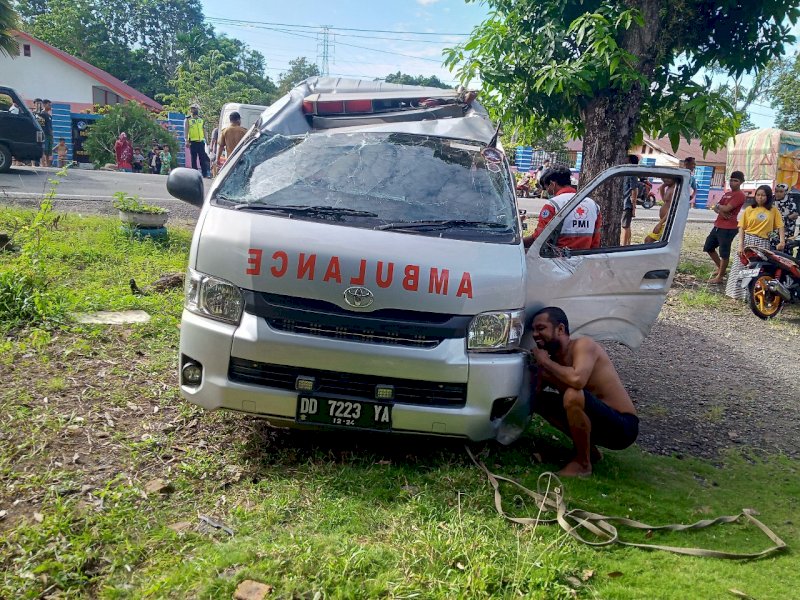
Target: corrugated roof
(119, 87)
(664, 146)
(691, 148)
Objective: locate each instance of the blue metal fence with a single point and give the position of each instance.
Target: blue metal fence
(702, 176)
(62, 128)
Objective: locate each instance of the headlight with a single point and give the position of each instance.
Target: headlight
(500, 330)
(213, 297)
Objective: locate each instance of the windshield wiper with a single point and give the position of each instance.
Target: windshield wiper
(296, 209)
(442, 224)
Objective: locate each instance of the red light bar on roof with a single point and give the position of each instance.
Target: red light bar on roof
(319, 104)
(358, 106)
(353, 103)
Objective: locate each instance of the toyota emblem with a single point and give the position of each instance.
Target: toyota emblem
(358, 297)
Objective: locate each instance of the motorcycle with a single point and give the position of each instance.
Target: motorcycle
(646, 197)
(771, 279)
(526, 187)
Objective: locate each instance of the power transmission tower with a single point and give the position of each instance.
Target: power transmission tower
(324, 50)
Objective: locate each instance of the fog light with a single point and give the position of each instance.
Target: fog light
(192, 373)
(304, 384)
(384, 392)
(501, 406)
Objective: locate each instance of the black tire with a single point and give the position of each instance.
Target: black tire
(649, 201)
(5, 159)
(764, 304)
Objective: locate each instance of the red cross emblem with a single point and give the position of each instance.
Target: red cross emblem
(580, 211)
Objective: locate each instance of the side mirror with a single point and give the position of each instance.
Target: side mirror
(187, 185)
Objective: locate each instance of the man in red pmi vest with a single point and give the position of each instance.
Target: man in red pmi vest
(581, 229)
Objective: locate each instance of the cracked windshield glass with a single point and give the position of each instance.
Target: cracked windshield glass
(390, 181)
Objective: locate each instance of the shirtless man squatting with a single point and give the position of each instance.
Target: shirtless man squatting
(592, 406)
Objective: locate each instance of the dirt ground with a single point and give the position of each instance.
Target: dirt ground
(707, 379)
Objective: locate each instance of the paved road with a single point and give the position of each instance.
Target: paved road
(696, 215)
(87, 187)
(83, 184)
(83, 190)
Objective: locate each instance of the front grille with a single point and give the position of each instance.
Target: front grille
(406, 391)
(354, 333)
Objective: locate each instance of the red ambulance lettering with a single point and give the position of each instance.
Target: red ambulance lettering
(379, 279)
(438, 281)
(306, 266)
(281, 256)
(254, 261)
(362, 273)
(465, 287)
(411, 279)
(333, 271)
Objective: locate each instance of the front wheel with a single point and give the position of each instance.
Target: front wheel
(649, 201)
(764, 303)
(5, 159)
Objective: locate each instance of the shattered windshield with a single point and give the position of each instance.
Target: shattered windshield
(389, 181)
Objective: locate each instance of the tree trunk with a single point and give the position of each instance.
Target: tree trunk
(610, 123)
(612, 119)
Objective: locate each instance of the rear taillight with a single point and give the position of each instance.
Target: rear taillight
(330, 107)
(358, 106)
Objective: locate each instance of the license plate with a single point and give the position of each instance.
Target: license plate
(749, 273)
(343, 412)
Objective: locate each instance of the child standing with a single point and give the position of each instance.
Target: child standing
(154, 159)
(61, 152)
(166, 161)
(138, 160)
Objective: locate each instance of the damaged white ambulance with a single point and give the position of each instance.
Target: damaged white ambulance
(358, 264)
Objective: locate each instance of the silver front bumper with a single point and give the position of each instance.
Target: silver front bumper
(488, 376)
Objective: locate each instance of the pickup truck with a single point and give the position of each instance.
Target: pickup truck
(21, 136)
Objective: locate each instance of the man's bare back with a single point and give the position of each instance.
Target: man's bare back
(603, 381)
(593, 407)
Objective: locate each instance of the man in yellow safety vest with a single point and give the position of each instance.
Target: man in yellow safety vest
(196, 140)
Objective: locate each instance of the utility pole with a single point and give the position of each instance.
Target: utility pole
(324, 50)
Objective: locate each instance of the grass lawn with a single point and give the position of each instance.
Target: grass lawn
(91, 415)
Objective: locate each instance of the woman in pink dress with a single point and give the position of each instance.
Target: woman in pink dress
(124, 151)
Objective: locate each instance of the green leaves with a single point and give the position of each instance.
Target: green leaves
(549, 59)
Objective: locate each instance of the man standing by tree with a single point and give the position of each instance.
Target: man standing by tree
(688, 163)
(630, 193)
(725, 227)
(195, 133)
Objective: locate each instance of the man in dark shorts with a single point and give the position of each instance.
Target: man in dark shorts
(725, 227)
(630, 198)
(588, 401)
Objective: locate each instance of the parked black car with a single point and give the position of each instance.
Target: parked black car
(21, 136)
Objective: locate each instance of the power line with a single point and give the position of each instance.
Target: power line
(300, 35)
(426, 33)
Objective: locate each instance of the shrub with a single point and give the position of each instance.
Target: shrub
(125, 202)
(25, 300)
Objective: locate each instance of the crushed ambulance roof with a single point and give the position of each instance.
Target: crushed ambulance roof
(286, 115)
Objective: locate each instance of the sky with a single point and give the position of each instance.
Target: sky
(397, 35)
(365, 39)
